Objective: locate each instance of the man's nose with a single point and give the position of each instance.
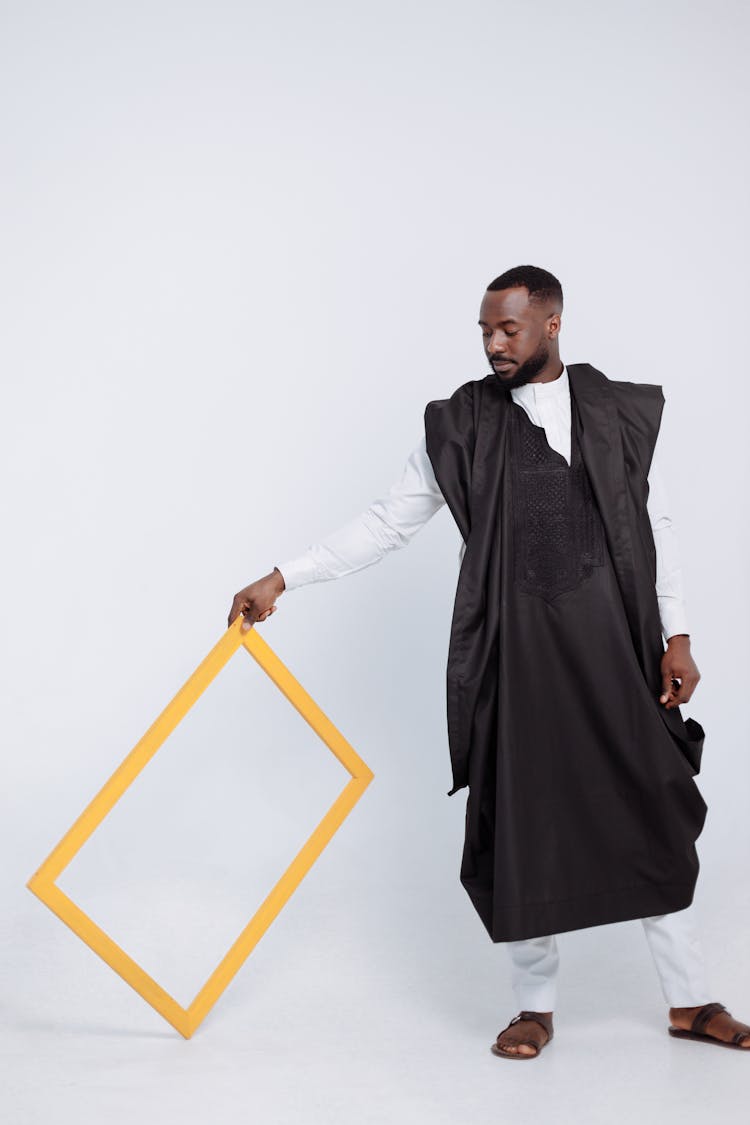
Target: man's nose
(497, 346)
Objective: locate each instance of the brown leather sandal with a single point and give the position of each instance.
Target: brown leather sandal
(697, 1028)
(538, 1017)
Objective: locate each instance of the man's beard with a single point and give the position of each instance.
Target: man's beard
(526, 372)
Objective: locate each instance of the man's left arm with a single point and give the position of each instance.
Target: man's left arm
(679, 671)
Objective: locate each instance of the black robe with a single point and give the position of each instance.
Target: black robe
(582, 805)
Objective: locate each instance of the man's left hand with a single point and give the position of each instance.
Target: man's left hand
(679, 672)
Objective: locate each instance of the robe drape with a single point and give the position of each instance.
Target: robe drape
(582, 805)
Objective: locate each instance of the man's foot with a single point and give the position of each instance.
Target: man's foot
(721, 1025)
(510, 1041)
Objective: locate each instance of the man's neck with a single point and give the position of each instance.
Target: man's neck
(549, 378)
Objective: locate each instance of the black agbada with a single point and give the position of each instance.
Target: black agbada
(582, 806)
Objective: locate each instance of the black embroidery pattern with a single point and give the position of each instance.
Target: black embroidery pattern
(558, 532)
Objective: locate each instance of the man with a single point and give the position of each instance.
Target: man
(563, 704)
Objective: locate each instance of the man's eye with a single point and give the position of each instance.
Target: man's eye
(512, 333)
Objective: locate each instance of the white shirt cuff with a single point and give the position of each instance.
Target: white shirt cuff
(673, 617)
(298, 572)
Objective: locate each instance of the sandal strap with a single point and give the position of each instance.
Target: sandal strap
(707, 1012)
(540, 1018)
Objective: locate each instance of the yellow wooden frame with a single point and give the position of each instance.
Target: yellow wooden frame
(42, 883)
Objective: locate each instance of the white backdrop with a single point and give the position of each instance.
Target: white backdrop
(243, 245)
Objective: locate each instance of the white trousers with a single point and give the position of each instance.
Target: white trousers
(675, 946)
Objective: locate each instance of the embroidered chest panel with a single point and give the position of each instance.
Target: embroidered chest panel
(558, 536)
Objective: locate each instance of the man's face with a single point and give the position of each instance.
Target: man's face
(516, 334)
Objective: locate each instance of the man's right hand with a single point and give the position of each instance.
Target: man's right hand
(256, 601)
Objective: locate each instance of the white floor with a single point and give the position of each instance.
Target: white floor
(340, 1016)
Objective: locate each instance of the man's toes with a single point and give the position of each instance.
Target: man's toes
(508, 1045)
(512, 1046)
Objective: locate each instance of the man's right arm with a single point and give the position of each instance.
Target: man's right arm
(388, 524)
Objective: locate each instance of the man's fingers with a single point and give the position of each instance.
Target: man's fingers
(678, 693)
(685, 690)
(670, 689)
(267, 613)
(247, 605)
(667, 688)
(239, 605)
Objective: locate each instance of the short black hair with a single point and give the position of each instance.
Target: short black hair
(542, 286)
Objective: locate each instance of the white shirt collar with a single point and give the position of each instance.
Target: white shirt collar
(533, 392)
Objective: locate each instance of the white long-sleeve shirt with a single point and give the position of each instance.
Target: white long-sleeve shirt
(392, 521)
